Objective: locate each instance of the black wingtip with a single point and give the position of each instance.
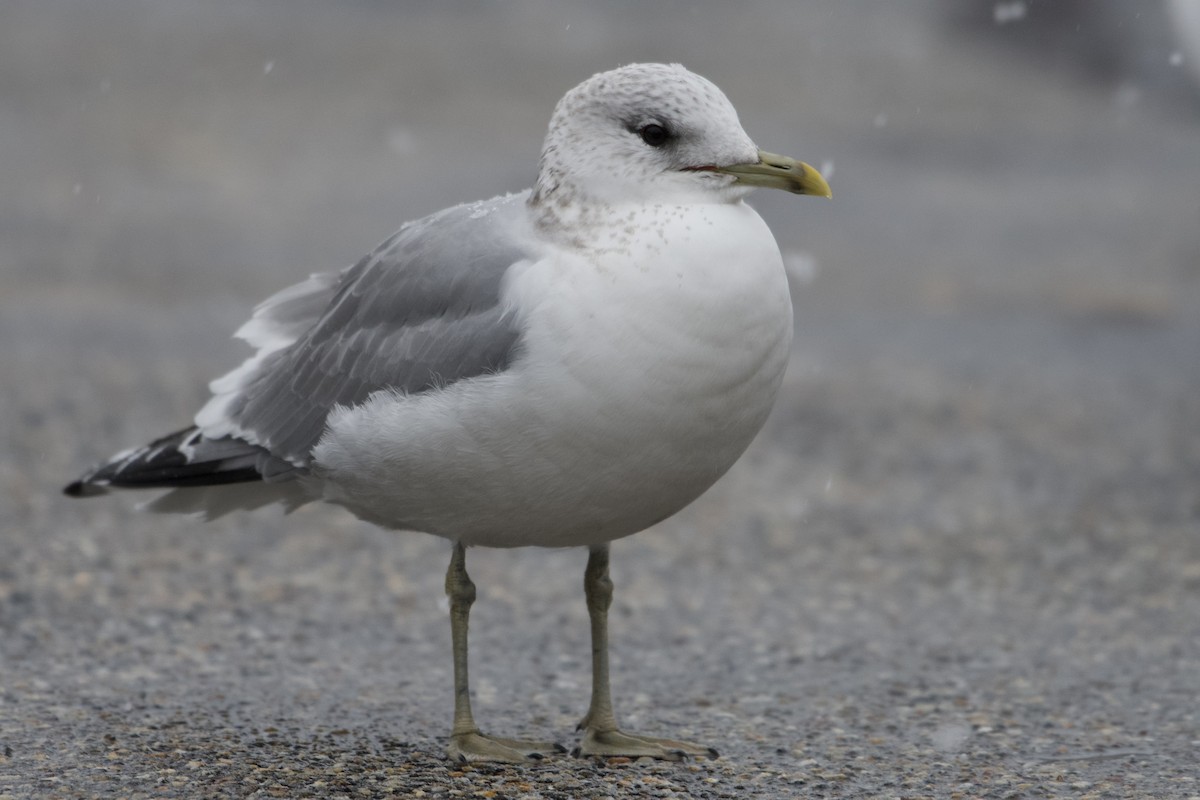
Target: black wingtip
(83, 489)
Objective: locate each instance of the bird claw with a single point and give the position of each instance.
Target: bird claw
(476, 746)
(618, 743)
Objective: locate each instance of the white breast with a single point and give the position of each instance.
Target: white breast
(648, 365)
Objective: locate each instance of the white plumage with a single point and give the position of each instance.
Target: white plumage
(560, 367)
(645, 372)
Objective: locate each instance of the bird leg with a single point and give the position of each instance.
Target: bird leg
(601, 737)
(466, 742)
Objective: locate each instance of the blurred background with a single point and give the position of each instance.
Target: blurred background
(967, 546)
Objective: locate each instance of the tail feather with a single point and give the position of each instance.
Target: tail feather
(212, 502)
(183, 459)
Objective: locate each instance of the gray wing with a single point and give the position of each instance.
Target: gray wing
(421, 312)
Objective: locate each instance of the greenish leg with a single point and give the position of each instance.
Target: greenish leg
(601, 737)
(466, 742)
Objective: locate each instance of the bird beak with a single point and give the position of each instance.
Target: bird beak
(779, 172)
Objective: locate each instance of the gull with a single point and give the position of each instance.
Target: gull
(562, 367)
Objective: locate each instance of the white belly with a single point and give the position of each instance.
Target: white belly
(646, 372)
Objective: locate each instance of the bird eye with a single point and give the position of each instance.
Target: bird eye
(654, 135)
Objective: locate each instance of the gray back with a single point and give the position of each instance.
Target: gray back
(421, 312)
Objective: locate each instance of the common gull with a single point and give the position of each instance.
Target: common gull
(556, 368)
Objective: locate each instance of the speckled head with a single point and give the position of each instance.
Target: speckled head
(645, 132)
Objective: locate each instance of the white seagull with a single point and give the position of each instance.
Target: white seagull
(557, 368)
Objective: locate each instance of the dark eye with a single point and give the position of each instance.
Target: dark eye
(654, 135)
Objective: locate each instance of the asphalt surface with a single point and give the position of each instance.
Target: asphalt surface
(963, 559)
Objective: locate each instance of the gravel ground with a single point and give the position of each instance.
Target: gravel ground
(962, 561)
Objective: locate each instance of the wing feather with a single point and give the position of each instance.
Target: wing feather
(422, 311)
